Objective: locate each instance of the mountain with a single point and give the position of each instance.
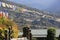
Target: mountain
(35, 18)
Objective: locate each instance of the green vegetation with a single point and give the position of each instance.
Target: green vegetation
(5, 24)
(1, 37)
(59, 37)
(27, 33)
(51, 34)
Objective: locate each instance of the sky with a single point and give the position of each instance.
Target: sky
(47, 5)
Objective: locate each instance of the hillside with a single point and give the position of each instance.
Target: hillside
(23, 15)
(37, 20)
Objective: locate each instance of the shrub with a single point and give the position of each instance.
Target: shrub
(5, 25)
(51, 34)
(1, 37)
(59, 37)
(27, 33)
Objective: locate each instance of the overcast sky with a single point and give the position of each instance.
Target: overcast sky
(48, 5)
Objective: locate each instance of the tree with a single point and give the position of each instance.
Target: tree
(1, 37)
(27, 33)
(5, 24)
(51, 34)
(59, 37)
(30, 34)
